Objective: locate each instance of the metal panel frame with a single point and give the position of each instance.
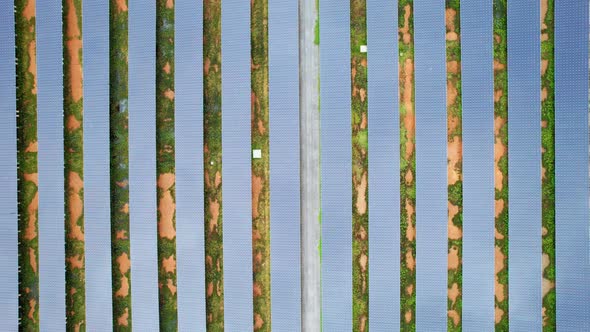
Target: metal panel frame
(336, 165)
(431, 166)
(237, 165)
(52, 306)
(285, 221)
(99, 306)
(478, 165)
(142, 166)
(8, 168)
(524, 164)
(384, 156)
(190, 243)
(571, 166)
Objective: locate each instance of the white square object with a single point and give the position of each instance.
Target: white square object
(363, 48)
(256, 153)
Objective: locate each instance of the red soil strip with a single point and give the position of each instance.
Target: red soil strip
(166, 207)
(169, 94)
(361, 198)
(121, 235)
(214, 210)
(217, 179)
(76, 262)
(75, 205)
(362, 323)
(33, 147)
(261, 128)
(453, 67)
(409, 119)
(364, 121)
(258, 322)
(74, 44)
(33, 260)
(33, 61)
(454, 293)
(124, 290)
(29, 11)
(455, 233)
(544, 66)
(31, 177)
(406, 37)
(455, 155)
(32, 307)
(410, 262)
(206, 66)
(209, 289)
(499, 152)
(169, 264)
(31, 230)
(450, 23)
(409, 177)
(171, 286)
(256, 189)
(455, 317)
(408, 316)
(125, 208)
(72, 123)
(123, 320)
(410, 289)
(257, 290)
(122, 5)
(410, 230)
(454, 258)
(124, 266)
(547, 284)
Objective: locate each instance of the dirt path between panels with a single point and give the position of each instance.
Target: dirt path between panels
(260, 167)
(166, 165)
(501, 165)
(28, 199)
(454, 165)
(548, 164)
(119, 165)
(360, 164)
(212, 164)
(407, 167)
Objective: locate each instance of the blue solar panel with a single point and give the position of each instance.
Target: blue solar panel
(336, 166)
(524, 164)
(431, 166)
(52, 312)
(142, 166)
(8, 184)
(97, 192)
(571, 166)
(384, 156)
(189, 165)
(283, 37)
(236, 169)
(478, 165)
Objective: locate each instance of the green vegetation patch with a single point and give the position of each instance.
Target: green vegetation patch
(548, 163)
(455, 162)
(260, 167)
(73, 165)
(501, 162)
(28, 199)
(165, 165)
(407, 167)
(212, 164)
(119, 164)
(360, 214)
